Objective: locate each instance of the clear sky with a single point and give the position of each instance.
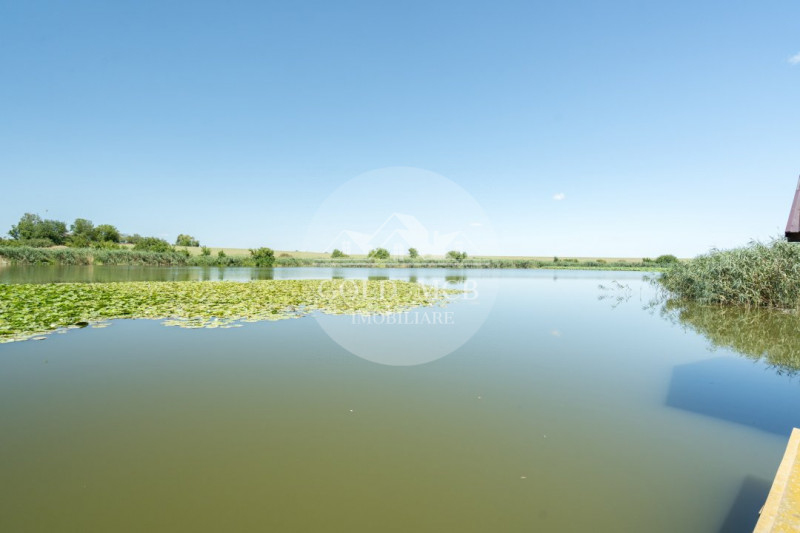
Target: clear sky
(618, 128)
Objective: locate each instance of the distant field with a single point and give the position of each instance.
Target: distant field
(245, 252)
(233, 252)
(321, 255)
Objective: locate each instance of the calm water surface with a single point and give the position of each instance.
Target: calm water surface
(570, 408)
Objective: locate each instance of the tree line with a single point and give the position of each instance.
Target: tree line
(34, 231)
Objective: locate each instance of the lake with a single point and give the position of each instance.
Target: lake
(540, 401)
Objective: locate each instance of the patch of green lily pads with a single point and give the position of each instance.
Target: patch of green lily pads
(29, 310)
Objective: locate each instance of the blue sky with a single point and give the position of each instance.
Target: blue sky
(663, 127)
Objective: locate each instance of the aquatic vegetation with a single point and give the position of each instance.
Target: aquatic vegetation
(769, 335)
(758, 275)
(32, 309)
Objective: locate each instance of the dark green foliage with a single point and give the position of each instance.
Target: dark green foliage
(31, 226)
(131, 239)
(456, 256)
(337, 253)
(666, 259)
(379, 253)
(760, 275)
(413, 253)
(153, 244)
(205, 250)
(263, 257)
(82, 228)
(221, 254)
(186, 240)
(84, 234)
(106, 233)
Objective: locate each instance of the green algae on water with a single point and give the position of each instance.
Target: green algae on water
(28, 310)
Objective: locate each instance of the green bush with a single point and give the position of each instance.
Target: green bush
(263, 257)
(153, 244)
(221, 254)
(337, 253)
(456, 256)
(413, 253)
(186, 240)
(666, 259)
(379, 253)
(205, 250)
(105, 245)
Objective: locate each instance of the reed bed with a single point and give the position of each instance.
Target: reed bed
(756, 275)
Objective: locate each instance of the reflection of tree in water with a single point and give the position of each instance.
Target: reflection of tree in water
(455, 279)
(768, 335)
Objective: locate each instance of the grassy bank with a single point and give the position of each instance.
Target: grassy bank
(756, 275)
(88, 256)
(30, 310)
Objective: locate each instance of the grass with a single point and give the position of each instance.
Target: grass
(756, 275)
(29, 310)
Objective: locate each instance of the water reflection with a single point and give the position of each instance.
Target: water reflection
(743, 515)
(765, 335)
(728, 389)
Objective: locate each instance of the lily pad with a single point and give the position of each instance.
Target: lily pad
(28, 310)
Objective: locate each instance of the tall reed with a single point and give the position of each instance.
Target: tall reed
(759, 274)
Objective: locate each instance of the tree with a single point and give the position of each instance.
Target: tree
(55, 230)
(82, 227)
(337, 253)
(205, 250)
(413, 253)
(26, 227)
(186, 240)
(263, 257)
(379, 253)
(106, 233)
(31, 226)
(221, 254)
(153, 244)
(456, 256)
(131, 239)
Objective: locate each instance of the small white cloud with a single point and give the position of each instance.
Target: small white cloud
(795, 59)
(560, 196)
